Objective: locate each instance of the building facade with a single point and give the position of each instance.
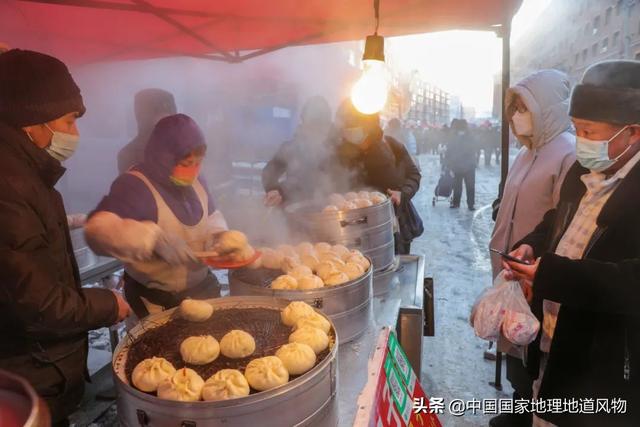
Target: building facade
(429, 104)
(573, 34)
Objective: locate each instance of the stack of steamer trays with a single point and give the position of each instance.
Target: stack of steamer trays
(289, 378)
(359, 220)
(331, 278)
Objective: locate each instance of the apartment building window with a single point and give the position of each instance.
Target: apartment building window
(585, 54)
(594, 49)
(596, 24)
(616, 38)
(607, 16)
(587, 29)
(605, 44)
(576, 59)
(619, 7)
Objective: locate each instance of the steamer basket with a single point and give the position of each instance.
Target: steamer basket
(308, 400)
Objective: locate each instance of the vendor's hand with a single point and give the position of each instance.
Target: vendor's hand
(517, 271)
(174, 250)
(123, 307)
(273, 198)
(396, 197)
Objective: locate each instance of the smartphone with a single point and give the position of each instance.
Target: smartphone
(509, 257)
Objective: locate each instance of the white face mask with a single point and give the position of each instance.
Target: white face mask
(522, 123)
(594, 155)
(354, 135)
(63, 145)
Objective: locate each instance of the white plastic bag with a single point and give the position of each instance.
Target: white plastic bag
(503, 308)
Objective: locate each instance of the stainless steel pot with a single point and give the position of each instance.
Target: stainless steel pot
(309, 400)
(382, 279)
(348, 306)
(370, 230)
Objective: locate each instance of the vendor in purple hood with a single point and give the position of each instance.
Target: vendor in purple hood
(155, 216)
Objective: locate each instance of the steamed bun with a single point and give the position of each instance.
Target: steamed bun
(294, 311)
(325, 269)
(287, 250)
(231, 241)
(352, 270)
(266, 373)
(225, 384)
(148, 374)
(332, 258)
(195, 310)
(243, 254)
(315, 320)
(271, 259)
(237, 344)
(351, 196)
(360, 259)
(300, 271)
(362, 203)
(285, 282)
(336, 278)
(184, 386)
(310, 282)
(349, 206)
(322, 247)
(341, 251)
(199, 350)
(330, 209)
(364, 195)
(297, 358)
(289, 263)
(377, 198)
(315, 338)
(305, 248)
(310, 261)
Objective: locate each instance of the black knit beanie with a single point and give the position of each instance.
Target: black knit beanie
(35, 88)
(609, 92)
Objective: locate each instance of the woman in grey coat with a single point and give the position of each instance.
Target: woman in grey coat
(537, 108)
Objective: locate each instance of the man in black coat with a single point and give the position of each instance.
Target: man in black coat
(44, 313)
(460, 158)
(370, 159)
(584, 261)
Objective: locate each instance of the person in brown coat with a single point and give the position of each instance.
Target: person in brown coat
(44, 312)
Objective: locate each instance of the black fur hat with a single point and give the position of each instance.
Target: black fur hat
(609, 92)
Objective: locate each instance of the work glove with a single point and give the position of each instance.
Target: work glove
(174, 250)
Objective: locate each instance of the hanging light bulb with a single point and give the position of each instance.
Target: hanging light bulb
(369, 94)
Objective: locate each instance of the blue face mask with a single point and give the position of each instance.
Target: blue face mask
(594, 155)
(63, 145)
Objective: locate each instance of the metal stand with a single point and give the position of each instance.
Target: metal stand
(497, 383)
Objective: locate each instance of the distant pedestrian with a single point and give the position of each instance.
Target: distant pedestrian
(460, 158)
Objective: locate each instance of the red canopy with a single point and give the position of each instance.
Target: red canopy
(82, 31)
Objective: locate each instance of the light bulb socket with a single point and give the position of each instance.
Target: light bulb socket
(374, 48)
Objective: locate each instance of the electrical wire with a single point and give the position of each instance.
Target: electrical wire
(376, 10)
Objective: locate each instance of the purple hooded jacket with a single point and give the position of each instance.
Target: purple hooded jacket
(171, 140)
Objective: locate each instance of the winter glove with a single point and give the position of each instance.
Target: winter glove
(173, 250)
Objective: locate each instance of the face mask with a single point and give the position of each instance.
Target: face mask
(594, 155)
(522, 123)
(354, 135)
(185, 176)
(63, 145)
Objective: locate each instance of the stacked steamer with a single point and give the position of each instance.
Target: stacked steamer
(332, 278)
(358, 220)
(231, 361)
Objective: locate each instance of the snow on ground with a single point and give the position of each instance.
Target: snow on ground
(455, 244)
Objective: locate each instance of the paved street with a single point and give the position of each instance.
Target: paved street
(455, 244)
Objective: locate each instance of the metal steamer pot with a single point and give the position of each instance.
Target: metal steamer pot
(20, 405)
(370, 229)
(349, 306)
(308, 400)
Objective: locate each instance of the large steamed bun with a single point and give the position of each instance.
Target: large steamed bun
(352, 270)
(297, 358)
(351, 196)
(336, 199)
(315, 320)
(310, 261)
(330, 209)
(184, 386)
(289, 263)
(377, 198)
(266, 373)
(310, 282)
(231, 241)
(305, 248)
(300, 271)
(362, 203)
(285, 282)
(322, 247)
(325, 269)
(271, 259)
(341, 251)
(332, 258)
(364, 195)
(148, 374)
(358, 258)
(237, 344)
(294, 311)
(336, 278)
(315, 338)
(287, 250)
(225, 384)
(195, 310)
(199, 350)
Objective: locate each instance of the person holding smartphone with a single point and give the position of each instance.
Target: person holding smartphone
(584, 258)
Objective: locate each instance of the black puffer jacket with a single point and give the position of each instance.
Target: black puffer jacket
(44, 313)
(595, 352)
